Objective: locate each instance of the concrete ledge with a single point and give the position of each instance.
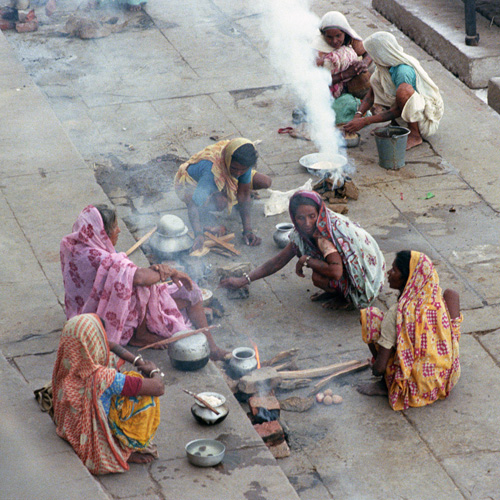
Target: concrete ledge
(438, 26)
(494, 94)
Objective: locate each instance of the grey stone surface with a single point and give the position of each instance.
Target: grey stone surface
(161, 86)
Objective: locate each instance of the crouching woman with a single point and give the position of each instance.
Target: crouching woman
(415, 344)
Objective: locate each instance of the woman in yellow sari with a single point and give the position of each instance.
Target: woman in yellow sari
(108, 417)
(415, 343)
(218, 177)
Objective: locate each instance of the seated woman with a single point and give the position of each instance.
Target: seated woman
(340, 50)
(109, 418)
(415, 344)
(138, 308)
(345, 260)
(400, 84)
(219, 177)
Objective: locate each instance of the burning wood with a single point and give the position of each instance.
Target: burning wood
(256, 349)
(317, 372)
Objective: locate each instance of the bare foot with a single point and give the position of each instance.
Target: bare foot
(413, 140)
(140, 458)
(338, 304)
(321, 296)
(144, 339)
(378, 388)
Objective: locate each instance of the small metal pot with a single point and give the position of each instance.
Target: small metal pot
(207, 417)
(205, 452)
(243, 361)
(189, 354)
(282, 234)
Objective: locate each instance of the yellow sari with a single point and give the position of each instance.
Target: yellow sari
(425, 365)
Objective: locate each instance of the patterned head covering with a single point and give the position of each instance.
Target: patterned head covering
(363, 261)
(82, 372)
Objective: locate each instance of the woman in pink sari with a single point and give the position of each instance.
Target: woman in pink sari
(138, 307)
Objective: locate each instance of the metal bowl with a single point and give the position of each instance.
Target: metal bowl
(205, 452)
(352, 140)
(310, 161)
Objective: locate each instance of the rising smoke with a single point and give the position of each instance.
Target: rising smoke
(290, 27)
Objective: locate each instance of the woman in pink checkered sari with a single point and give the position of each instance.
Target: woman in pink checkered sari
(415, 343)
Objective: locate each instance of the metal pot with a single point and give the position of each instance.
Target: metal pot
(243, 361)
(282, 234)
(171, 237)
(207, 417)
(189, 354)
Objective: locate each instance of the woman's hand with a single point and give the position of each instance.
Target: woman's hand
(233, 283)
(300, 265)
(198, 242)
(146, 367)
(163, 270)
(355, 124)
(181, 278)
(251, 239)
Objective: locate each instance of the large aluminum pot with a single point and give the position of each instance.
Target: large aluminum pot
(171, 237)
(189, 354)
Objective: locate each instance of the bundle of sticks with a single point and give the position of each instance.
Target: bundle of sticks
(294, 379)
(217, 244)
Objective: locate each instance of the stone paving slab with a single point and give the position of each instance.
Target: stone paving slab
(57, 468)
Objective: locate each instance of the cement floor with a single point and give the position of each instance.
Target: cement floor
(161, 87)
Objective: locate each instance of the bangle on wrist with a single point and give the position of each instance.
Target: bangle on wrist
(358, 113)
(137, 358)
(247, 277)
(152, 372)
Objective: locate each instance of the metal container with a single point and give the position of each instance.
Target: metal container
(322, 164)
(189, 354)
(205, 416)
(205, 452)
(282, 233)
(171, 237)
(243, 361)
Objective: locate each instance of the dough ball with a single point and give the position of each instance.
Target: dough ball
(328, 392)
(319, 397)
(337, 399)
(328, 400)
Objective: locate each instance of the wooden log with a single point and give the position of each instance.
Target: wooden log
(361, 365)
(222, 243)
(280, 356)
(139, 242)
(316, 372)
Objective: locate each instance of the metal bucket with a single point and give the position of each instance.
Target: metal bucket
(391, 145)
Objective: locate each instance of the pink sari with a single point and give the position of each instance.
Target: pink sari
(99, 280)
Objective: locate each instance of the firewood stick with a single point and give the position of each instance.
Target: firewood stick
(202, 401)
(281, 355)
(288, 365)
(361, 365)
(139, 242)
(222, 243)
(179, 337)
(317, 372)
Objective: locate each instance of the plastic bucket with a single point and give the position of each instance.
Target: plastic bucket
(391, 145)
